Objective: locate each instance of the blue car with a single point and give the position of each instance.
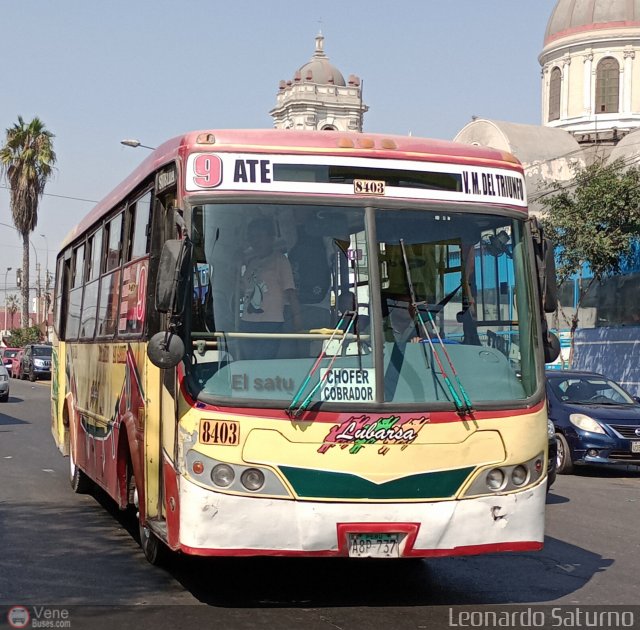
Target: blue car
(595, 420)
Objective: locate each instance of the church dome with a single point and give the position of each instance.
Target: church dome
(319, 70)
(574, 17)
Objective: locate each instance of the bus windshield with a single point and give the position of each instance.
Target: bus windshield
(339, 305)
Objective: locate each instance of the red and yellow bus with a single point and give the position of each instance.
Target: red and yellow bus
(317, 344)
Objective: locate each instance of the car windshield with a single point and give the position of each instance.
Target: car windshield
(585, 390)
(41, 352)
(9, 354)
(298, 304)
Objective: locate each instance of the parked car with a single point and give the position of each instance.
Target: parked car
(36, 362)
(16, 362)
(7, 355)
(596, 421)
(4, 384)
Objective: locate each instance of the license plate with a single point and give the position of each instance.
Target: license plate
(374, 545)
(635, 447)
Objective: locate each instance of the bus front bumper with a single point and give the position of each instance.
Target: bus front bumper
(215, 524)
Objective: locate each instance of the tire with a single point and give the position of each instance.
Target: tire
(564, 461)
(32, 376)
(153, 548)
(4, 398)
(80, 483)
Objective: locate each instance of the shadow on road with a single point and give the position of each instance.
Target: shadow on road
(5, 418)
(609, 471)
(556, 499)
(72, 551)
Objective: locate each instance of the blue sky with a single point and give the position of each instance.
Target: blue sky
(98, 72)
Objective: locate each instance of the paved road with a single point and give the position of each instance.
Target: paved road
(62, 550)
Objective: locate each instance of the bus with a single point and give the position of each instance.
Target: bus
(272, 342)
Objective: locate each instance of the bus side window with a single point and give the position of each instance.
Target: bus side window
(75, 295)
(110, 283)
(90, 303)
(63, 281)
(139, 227)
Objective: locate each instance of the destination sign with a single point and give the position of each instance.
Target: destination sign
(402, 179)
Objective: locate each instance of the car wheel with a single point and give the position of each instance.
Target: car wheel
(5, 397)
(80, 483)
(564, 462)
(32, 376)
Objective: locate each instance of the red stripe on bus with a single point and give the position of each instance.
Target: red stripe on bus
(467, 550)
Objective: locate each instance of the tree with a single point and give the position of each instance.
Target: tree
(26, 161)
(594, 221)
(12, 306)
(22, 336)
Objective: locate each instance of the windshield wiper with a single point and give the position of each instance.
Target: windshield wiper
(293, 411)
(462, 408)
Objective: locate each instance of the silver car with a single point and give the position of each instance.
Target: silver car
(4, 384)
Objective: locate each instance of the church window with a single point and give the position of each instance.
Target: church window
(607, 86)
(554, 94)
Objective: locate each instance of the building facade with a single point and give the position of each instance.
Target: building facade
(590, 106)
(319, 98)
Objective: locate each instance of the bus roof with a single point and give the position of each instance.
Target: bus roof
(278, 141)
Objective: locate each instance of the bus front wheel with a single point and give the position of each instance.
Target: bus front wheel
(80, 483)
(152, 547)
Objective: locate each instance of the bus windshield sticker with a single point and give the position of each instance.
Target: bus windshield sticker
(359, 431)
(347, 385)
(219, 432)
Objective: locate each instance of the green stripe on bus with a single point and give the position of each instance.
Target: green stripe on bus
(322, 484)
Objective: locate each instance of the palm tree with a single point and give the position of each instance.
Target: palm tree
(26, 160)
(12, 307)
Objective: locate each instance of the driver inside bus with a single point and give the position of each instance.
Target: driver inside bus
(268, 287)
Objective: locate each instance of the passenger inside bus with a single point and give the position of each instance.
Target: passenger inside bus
(267, 287)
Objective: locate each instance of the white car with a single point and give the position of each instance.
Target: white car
(4, 384)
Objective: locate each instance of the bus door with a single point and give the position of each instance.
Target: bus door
(59, 429)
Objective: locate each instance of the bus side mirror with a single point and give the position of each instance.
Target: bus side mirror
(545, 267)
(551, 347)
(167, 272)
(550, 286)
(165, 350)
(173, 273)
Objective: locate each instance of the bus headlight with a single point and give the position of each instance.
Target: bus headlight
(506, 478)
(519, 475)
(495, 479)
(234, 478)
(222, 475)
(252, 479)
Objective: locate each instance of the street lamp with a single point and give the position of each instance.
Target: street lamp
(6, 273)
(46, 264)
(135, 144)
(35, 253)
(46, 279)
